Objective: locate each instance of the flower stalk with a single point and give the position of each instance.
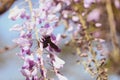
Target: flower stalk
(113, 33)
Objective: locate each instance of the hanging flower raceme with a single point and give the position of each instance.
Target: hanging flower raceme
(17, 13)
(39, 25)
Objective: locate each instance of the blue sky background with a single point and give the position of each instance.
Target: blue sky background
(11, 64)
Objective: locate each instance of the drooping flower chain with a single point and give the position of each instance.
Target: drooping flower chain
(44, 22)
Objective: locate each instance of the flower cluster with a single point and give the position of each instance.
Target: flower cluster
(84, 22)
(38, 26)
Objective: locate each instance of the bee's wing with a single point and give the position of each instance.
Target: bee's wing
(55, 47)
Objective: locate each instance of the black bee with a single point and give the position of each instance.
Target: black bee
(46, 40)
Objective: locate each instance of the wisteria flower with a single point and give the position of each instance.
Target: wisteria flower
(117, 4)
(16, 27)
(16, 13)
(96, 13)
(87, 3)
(57, 62)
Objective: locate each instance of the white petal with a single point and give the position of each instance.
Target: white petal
(94, 15)
(58, 8)
(52, 18)
(49, 31)
(75, 18)
(28, 58)
(98, 24)
(34, 72)
(25, 72)
(61, 77)
(16, 27)
(87, 3)
(58, 63)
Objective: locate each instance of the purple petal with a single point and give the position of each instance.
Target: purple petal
(47, 25)
(53, 37)
(31, 64)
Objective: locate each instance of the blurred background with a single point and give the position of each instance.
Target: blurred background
(10, 63)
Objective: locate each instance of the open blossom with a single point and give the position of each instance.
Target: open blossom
(45, 4)
(29, 69)
(46, 30)
(87, 3)
(76, 1)
(97, 34)
(29, 74)
(94, 15)
(75, 18)
(67, 2)
(16, 13)
(117, 4)
(65, 14)
(98, 24)
(52, 18)
(16, 27)
(58, 8)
